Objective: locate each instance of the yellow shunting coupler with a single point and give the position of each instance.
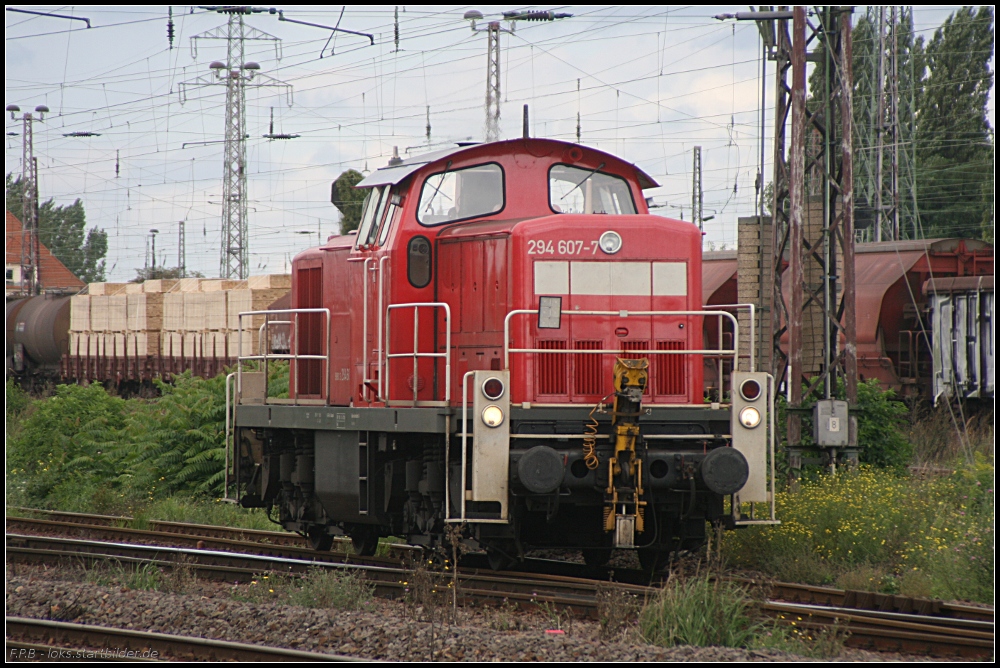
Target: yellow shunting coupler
(624, 507)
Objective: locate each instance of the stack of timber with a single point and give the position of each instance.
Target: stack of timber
(190, 323)
(259, 293)
(144, 315)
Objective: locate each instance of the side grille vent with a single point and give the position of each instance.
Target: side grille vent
(552, 368)
(668, 370)
(587, 368)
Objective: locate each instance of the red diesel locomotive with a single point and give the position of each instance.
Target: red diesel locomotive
(510, 343)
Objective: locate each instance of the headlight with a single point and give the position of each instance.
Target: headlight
(750, 389)
(610, 242)
(493, 388)
(749, 417)
(493, 416)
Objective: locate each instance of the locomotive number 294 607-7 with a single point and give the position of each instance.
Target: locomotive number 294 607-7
(561, 247)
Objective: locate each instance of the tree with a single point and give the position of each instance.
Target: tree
(954, 140)
(151, 273)
(62, 229)
(348, 200)
(909, 56)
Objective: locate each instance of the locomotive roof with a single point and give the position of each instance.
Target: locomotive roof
(394, 174)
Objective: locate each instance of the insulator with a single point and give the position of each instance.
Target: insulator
(170, 26)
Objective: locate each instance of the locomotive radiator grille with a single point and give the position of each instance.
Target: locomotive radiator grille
(667, 374)
(668, 370)
(587, 374)
(552, 368)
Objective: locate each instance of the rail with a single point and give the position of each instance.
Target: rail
(388, 355)
(294, 356)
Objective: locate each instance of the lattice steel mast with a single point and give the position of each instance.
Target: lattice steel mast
(813, 209)
(235, 74)
(30, 279)
(493, 29)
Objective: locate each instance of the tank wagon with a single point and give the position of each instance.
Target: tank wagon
(513, 345)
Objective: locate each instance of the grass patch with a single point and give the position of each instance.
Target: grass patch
(700, 611)
(206, 511)
(330, 588)
(824, 643)
(617, 611)
(880, 530)
(146, 577)
(318, 588)
(265, 588)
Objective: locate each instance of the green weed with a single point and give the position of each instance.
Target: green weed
(816, 643)
(115, 574)
(617, 611)
(330, 588)
(700, 611)
(265, 588)
(881, 530)
(505, 618)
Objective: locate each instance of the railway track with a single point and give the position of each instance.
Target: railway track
(474, 586)
(184, 530)
(199, 536)
(892, 631)
(42, 639)
(871, 620)
(872, 601)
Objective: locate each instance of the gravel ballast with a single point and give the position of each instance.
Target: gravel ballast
(383, 630)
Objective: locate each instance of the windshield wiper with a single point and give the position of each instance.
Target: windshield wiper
(599, 167)
(437, 191)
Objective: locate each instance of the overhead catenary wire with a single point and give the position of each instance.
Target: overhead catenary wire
(432, 43)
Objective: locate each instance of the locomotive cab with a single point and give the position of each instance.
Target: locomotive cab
(510, 343)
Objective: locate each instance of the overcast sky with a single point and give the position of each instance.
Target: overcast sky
(649, 83)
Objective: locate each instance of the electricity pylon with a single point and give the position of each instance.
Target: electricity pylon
(236, 75)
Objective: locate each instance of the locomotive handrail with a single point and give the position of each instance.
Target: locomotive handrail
(416, 354)
(724, 352)
(465, 463)
(365, 380)
(753, 340)
(465, 434)
(378, 353)
(380, 270)
(266, 325)
(294, 356)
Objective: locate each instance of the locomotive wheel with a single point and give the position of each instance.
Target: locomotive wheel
(320, 540)
(365, 541)
(596, 557)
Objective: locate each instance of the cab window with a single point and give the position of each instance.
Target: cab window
(395, 204)
(460, 194)
(576, 190)
(369, 211)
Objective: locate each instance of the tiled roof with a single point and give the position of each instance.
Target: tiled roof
(53, 273)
